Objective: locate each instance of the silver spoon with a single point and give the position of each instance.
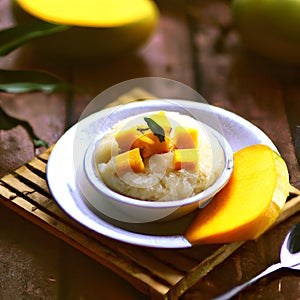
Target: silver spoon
(289, 258)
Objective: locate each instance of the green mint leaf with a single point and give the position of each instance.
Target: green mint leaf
(156, 129)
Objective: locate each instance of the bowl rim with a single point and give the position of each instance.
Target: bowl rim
(103, 190)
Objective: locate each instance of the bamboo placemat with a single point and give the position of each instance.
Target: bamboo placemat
(159, 273)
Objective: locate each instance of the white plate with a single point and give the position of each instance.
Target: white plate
(61, 171)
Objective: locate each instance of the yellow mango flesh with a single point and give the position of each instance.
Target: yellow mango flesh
(185, 138)
(248, 204)
(100, 28)
(187, 159)
(91, 13)
(129, 161)
(162, 120)
(126, 138)
(149, 144)
(146, 146)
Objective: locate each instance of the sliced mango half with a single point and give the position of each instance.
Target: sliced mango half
(249, 204)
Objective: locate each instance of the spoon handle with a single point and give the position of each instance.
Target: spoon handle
(239, 288)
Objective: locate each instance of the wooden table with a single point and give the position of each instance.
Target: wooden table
(195, 44)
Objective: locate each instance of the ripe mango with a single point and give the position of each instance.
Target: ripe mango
(130, 161)
(162, 120)
(100, 29)
(149, 145)
(249, 203)
(126, 138)
(185, 138)
(187, 159)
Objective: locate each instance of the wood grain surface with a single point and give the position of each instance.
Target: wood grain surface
(197, 44)
(160, 274)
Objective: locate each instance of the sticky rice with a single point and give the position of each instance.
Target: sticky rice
(160, 181)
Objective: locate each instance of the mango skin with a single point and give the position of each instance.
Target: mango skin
(269, 27)
(90, 43)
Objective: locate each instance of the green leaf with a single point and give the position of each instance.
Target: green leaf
(156, 129)
(40, 143)
(8, 122)
(24, 81)
(14, 37)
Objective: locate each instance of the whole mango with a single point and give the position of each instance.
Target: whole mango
(270, 27)
(99, 29)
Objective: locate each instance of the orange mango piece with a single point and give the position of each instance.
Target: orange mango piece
(149, 144)
(129, 161)
(145, 144)
(187, 159)
(249, 203)
(185, 138)
(126, 138)
(162, 120)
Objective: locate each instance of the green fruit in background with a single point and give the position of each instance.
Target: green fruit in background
(100, 29)
(270, 27)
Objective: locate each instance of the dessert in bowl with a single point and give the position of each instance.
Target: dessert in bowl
(157, 165)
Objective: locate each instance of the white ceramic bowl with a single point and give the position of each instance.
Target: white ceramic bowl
(122, 208)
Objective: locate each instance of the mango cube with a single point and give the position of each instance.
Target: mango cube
(187, 159)
(145, 144)
(149, 144)
(185, 138)
(126, 138)
(129, 161)
(161, 119)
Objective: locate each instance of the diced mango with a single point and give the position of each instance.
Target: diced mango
(161, 119)
(161, 147)
(129, 161)
(185, 138)
(187, 159)
(149, 144)
(145, 144)
(126, 138)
